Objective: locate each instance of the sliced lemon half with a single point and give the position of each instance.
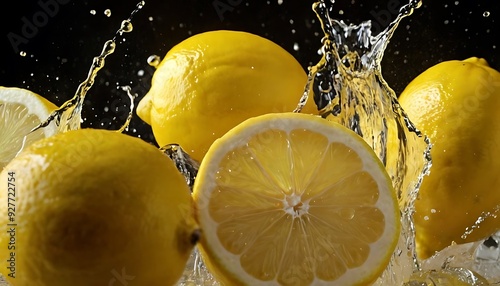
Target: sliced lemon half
(292, 199)
(20, 111)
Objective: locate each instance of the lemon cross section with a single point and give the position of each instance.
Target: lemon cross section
(292, 199)
(20, 111)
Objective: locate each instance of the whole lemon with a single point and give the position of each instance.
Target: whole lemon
(456, 103)
(94, 207)
(213, 81)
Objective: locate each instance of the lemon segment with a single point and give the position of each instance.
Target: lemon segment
(292, 199)
(212, 81)
(455, 103)
(20, 111)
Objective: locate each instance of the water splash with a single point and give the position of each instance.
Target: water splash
(482, 217)
(477, 261)
(68, 116)
(196, 273)
(447, 276)
(184, 163)
(131, 96)
(348, 87)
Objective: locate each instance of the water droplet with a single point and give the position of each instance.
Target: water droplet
(150, 19)
(22, 53)
(126, 27)
(93, 12)
(417, 4)
(296, 46)
(109, 48)
(486, 14)
(347, 213)
(140, 72)
(107, 12)
(154, 60)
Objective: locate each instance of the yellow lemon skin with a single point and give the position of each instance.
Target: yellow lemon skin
(213, 81)
(456, 103)
(91, 207)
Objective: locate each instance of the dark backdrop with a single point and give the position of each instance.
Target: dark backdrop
(64, 36)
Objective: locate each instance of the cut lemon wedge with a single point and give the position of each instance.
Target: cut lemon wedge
(20, 111)
(292, 199)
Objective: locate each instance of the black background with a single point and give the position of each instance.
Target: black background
(59, 53)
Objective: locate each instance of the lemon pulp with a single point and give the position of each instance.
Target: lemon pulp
(20, 111)
(295, 200)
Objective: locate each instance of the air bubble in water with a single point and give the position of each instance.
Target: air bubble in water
(93, 12)
(22, 53)
(107, 12)
(486, 14)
